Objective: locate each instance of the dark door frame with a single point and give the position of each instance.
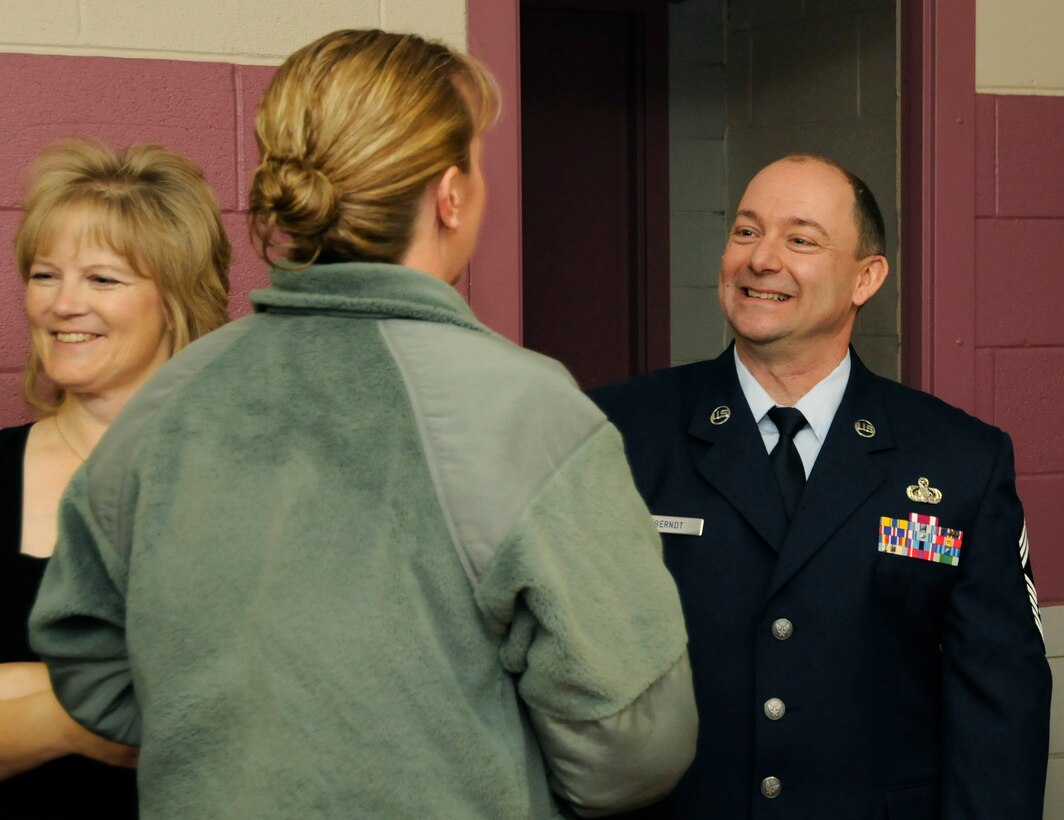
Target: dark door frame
(643, 276)
(938, 197)
(494, 281)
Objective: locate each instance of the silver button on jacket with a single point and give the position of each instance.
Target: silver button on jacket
(771, 787)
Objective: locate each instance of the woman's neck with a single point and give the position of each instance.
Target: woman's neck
(81, 421)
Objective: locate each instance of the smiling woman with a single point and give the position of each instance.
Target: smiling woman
(125, 262)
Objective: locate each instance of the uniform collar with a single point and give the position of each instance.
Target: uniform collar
(818, 406)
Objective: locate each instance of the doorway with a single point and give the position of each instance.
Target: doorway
(594, 185)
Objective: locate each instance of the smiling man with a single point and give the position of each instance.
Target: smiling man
(851, 554)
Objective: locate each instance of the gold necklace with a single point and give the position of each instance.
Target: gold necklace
(66, 441)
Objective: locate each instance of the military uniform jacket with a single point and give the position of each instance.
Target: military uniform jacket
(835, 679)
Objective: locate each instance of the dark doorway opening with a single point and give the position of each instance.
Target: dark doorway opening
(594, 146)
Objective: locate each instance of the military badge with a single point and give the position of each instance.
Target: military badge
(920, 536)
(923, 493)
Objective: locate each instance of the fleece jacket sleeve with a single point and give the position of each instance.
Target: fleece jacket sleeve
(78, 622)
(596, 635)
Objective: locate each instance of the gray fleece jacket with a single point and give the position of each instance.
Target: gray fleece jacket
(357, 556)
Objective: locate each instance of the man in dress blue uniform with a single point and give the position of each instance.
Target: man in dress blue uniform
(863, 623)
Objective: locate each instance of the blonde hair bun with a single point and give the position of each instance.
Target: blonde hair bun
(352, 130)
(301, 197)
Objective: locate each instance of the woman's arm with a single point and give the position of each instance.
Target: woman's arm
(17, 680)
(35, 729)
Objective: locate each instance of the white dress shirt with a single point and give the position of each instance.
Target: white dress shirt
(818, 406)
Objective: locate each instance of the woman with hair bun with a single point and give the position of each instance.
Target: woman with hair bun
(125, 261)
(356, 555)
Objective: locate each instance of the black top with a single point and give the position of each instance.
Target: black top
(70, 787)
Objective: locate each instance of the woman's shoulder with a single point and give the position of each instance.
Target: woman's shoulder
(13, 442)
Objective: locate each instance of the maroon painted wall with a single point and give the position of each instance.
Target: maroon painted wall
(1019, 332)
(202, 110)
(493, 286)
(982, 209)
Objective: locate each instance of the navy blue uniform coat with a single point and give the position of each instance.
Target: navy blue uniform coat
(913, 690)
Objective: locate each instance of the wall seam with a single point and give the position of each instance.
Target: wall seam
(239, 148)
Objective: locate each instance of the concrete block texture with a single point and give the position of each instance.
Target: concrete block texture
(879, 316)
(696, 31)
(1056, 713)
(696, 175)
(188, 107)
(1017, 46)
(255, 31)
(805, 72)
(14, 332)
(1028, 395)
(1053, 626)
(737, 82)
(1041, 496)
(1054, 804)
(37, 22)
(696, 101)
(877, 62)
(821, 8)
(436, 19)
(696, 242)
(697, 325)
(1013, 282)
(881, 354)
(985, 154)
(13, 410)
(1030, 143)
(251, 82)
(247, 270)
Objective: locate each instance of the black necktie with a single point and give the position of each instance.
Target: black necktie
(784, 456)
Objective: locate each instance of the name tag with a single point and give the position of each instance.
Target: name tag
(674, 525)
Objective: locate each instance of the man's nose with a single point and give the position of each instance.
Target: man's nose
(765, 256)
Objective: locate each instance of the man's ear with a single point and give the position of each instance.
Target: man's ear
(449, 198)
(873, 273)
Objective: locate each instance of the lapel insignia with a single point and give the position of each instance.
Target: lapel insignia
(720, 415)
(864, 428)
(920, 537)
(922, 493)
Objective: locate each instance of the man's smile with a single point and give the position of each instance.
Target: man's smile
(769, 296)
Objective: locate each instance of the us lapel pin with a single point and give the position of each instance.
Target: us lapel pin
(864, 428)
(720, 415)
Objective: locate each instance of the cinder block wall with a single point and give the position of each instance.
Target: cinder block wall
(697, 201)
(186, 75)
(1019, 230)
(820, 76)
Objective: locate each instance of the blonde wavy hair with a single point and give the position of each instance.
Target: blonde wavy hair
(147, 204)
(351, 131)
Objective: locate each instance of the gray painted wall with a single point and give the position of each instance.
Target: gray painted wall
(697, 196)
(820, 76)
